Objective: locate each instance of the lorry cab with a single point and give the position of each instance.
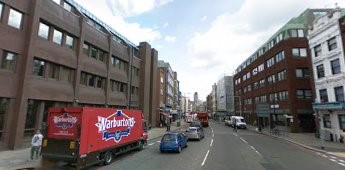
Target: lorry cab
(238, 121)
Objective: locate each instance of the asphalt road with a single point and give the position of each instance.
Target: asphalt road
(224, 149)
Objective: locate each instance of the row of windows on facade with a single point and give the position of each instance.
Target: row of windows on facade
(335, 67)
(282, 75)
(331, 44)
(62, 38)
(88, 49)
(9, 61)
(296, 52)
(294, 33)
(338, 93)
(273, 97)
(327, 123)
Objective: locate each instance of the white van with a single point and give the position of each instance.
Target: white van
(240, 123)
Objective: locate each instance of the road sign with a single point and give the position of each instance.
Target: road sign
(263, 109)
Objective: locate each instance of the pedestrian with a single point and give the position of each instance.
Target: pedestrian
(234, 126)
(36, 144)
(168, 124)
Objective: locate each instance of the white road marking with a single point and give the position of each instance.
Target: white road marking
(203, 162)
(324, 155)
(333, 157)
(252, 147)
(234, 134)
(341, 161)
(342, 164)
(333, 160)
(211, 142)
(212, 135)
(243, 140)
(151, 144)
(158, 141)
(258, 153)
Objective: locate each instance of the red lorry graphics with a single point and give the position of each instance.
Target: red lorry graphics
(100, 128)
(63, 126)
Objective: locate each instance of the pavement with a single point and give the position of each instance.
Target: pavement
(17, 159)
(306, 140)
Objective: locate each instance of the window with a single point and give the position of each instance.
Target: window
(9, 61)
(335, 66)
(339, 94)
(255, 71)
(302, 73)
(317, 50)
(100, 82)
(282, 75)
(283, 95)
(69, 41)
(249, 87)
(31, 116)
(261, 67)
(262, 83)
(271, 79)
(91, 80)
(332, 44)
(326, 121)
(323, 95)
(270, 62)
(280, 56)
(57, 1)
(4, 102)
(299, 52)
(273, 97)
(15, 19)
(43, 31)
(248, 75)
(256, 85)
(101, 55)
(320, 71)
(57, 37)
(39, 68)
(341, 121)
(54, 71)
(67, 6)
(83, 78)
(86, 49)
(303, 94)
(293, 33)
(1, 10)
(300, 33)
(93, 52)
(67, 74)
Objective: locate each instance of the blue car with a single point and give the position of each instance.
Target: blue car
(173, 141)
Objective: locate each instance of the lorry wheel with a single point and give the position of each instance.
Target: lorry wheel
(141, 145)
(108, 157)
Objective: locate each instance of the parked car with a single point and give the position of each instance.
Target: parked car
(227, 122)
(238, 121)
(173, 141)
(195, 133)
(195, 123)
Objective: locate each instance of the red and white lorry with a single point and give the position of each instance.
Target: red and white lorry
(203, 118)
(85, 136)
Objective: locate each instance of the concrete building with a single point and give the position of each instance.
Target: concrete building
(214, 99)
(327, 53)
(165, 97)
(57, 54)
(275, 84)
(225, 97)
(196, 102)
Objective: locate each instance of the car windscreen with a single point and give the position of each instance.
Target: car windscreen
(241, 120)
(192, 130)
(169, 137)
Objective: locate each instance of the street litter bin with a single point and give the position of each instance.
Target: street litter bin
(178, 124)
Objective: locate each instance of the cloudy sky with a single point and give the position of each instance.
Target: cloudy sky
(201, 39)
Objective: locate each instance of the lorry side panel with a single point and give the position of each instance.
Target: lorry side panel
(104, 128)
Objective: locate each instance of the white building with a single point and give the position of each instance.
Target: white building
(327, 53)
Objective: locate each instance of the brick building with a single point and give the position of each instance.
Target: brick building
(57, 54)
(279, 76)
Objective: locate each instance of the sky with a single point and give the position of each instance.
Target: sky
(202, 40)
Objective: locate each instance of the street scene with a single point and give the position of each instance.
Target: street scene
(172, 84)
